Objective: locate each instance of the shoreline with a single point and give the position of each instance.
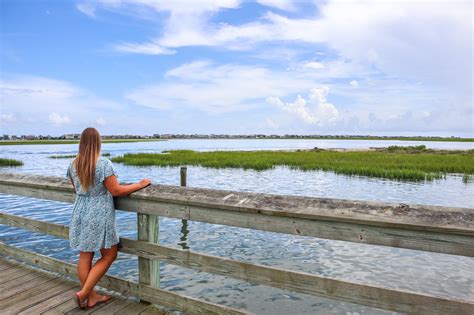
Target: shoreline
(408, 139)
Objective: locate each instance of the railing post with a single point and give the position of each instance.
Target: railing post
(184, 223)
(148, 231)
(183, 175)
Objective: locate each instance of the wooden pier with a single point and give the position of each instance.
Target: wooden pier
(444, 230)
(26, 290)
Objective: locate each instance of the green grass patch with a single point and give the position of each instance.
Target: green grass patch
(10, 162)
(387, 163)
(25, 142)
(70, 156)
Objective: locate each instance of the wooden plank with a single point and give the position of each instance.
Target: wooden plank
(21, 301)
(5, 265)
(353, 292)
(375, 296)
(21, 287)
(62, 308)
(134, 308)
(38, 298)
(12, 274)
(437, 229)
(152, 310)
(50, 303)
(112, 307)
(153, 295)
(455, 220)
(20, 280)
(424, 240)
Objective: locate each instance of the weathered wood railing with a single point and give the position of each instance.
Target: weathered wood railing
(428, 228)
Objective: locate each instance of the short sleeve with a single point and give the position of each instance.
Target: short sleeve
(108, 170)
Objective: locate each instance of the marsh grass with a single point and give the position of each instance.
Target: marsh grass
(10, 162)
(70, 156)
(389, 164)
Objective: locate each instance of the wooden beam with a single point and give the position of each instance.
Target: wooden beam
(353, 292)
(436, 229)
(153, 295)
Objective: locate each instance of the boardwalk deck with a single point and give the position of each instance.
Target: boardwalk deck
(27, 290)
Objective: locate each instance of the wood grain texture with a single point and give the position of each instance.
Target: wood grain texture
(445, 230)
(145, 292)
(360, 293)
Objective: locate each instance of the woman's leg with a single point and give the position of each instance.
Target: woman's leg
(84, 266)
(98, 270)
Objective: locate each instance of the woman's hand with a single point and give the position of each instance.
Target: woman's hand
(144, 182)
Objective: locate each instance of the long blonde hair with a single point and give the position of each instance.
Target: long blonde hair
(89, 151)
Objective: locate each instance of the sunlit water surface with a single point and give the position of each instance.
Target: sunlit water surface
(445, 275)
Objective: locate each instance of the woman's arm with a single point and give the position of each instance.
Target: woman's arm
(117, 190)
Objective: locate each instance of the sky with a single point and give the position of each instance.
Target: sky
(371, 67)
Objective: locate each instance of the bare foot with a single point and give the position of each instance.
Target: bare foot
(95, 298)
(81, 299)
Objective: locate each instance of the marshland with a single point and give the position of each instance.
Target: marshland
(395, 162)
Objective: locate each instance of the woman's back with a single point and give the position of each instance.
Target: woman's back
(103, 169)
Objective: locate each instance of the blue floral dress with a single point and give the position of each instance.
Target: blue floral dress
(93, 224)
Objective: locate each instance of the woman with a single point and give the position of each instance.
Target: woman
(93, 225)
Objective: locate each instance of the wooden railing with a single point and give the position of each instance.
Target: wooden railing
(428, 228)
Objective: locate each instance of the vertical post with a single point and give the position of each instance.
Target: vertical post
(148, 231)
(183, 175)
(143, 235)
(184, 223)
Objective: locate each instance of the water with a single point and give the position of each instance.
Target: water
(445, 275)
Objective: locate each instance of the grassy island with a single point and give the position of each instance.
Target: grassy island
(399, 163)
(10, 162)
(70, 156)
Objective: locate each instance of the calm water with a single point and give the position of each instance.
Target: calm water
(445, 275)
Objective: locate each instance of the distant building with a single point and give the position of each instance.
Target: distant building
(72, 136)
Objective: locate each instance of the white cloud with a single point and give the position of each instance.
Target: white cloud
(48, 100)
(287, 5)
(403, 38)
(354, 83)
(314, 65)
(145, 49)
(57, 119)
(217, 88)
(86, 8)
(298, 108)
(317, 110)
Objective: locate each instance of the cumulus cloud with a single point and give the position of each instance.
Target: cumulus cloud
(393, 36)
(317, 110)
(57, 119)
(215, 88)
(50, 101)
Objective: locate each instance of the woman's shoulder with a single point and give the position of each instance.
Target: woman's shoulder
(104, 160)
(104, 163)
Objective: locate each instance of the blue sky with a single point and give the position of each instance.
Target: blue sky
(268, 66)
